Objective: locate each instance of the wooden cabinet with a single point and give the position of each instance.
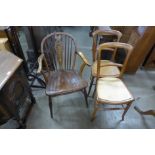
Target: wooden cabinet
(15, 94)
(126, 32)
(142, 46)
(149, 62)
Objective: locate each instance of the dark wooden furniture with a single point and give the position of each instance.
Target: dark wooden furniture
(144, 39)
(16, 98)
(149, 62)
(12, 35)
(126, 32)
(15, 46)
(111, 90)
(59, 52)
(99, 37)
(35, 34)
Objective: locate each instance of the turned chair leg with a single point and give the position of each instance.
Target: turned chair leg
(125, 111)
(94, 112)
(91, 83)
(50, 106)
(85, 96)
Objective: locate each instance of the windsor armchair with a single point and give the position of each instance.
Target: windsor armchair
(112, 90)
(59, 52)
(102, 36)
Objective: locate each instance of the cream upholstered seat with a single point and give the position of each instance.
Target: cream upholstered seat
(105, 71)
(113, 91)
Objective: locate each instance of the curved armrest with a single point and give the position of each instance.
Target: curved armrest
(85, 62)
(109, 49)
(40, 60)
(82, 56)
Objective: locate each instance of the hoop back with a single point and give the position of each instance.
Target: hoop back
(59, 49)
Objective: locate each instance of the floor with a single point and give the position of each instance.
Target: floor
(70, 111)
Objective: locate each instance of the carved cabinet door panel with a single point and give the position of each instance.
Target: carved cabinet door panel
(14, 95)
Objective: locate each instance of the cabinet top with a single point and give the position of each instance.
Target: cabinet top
(8, 65)
(2, 28)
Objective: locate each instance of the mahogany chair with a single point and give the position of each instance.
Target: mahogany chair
(102, 36)
(59, 52)
(112, 90)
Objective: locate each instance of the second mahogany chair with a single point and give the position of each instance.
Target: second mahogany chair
(99, 37)
(59, 52)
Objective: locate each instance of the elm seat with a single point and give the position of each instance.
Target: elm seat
(105, 71)
(62, 82)
(108, 86)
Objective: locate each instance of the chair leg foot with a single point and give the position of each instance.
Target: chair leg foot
(125, 111)
(85, 96)
(50, 106)
(91, 83)
(94, 114)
